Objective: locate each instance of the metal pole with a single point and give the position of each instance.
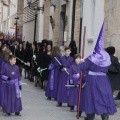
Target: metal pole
(35, 27)
(80, 35)
(16, 29)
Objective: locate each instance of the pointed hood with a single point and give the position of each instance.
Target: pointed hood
(100, 57)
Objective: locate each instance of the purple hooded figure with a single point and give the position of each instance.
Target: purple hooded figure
(97, 97)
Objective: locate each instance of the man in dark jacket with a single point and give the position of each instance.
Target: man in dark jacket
(114, 71)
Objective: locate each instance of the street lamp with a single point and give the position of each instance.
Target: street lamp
(36, 9)
(16, 23)
(29, 2)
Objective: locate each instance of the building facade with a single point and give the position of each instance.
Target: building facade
(64, 20)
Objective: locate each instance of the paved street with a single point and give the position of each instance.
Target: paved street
(36, 107)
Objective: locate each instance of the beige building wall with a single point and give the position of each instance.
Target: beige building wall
(77, 23)
(29, 21)
(56, 29)
(46, 19)
(112, 18)
(13, 7)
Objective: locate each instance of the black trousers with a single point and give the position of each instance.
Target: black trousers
(104, 116)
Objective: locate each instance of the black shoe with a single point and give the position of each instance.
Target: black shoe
(105, 116)
(35, 85)
(71, 108)
(9, 114)
(68, 105)
(49, 98)
(86, 118)
(90, 117)
(116, 98)
(41, 87)
(59, 104)
(17, 114)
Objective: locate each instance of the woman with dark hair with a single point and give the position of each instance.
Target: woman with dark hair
(52, 86)
(47, 57)
(28, 59)
(73, 48)
(114, 70)
(20, 55)
(3, 61)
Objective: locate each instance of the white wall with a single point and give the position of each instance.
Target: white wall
(28, 31)
(13, 7)
(93, 17)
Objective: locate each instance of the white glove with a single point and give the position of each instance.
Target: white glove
(38, 69)
(34, 57)
(25, 63)
(28, 64)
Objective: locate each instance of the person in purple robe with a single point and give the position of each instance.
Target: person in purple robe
(3, 61)
(74, 82)
(52, 85)
(63, 92)
(12, 86)
(97, 97)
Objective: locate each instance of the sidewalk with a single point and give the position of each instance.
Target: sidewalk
(36, 107)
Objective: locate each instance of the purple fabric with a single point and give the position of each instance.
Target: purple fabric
(52, 80)
(73, 91)
(12, 102)
(100, 57)
(76, 75)
(15, 82)
(64, 78)
(4, 77)
(97, 95)
(96, 73)
(53, 93)
(51, 66)
(71, 81)
(20, 83)
(3, 63)
(7, 71)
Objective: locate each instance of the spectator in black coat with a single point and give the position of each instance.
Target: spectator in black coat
(114, 70)
(73, 48)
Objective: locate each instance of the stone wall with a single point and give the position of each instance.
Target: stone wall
(77, 23)
(112, 18)
(46, 19)
(56, 29)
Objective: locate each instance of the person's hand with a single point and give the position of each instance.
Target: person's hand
(9, 78)
(70, 82)
(82, 60)
(61, 67)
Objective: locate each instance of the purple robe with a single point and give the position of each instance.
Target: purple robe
(2, 64)
(12, 101)
(74, 80)
(63, 92)
(97, 95)
(52, 86)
